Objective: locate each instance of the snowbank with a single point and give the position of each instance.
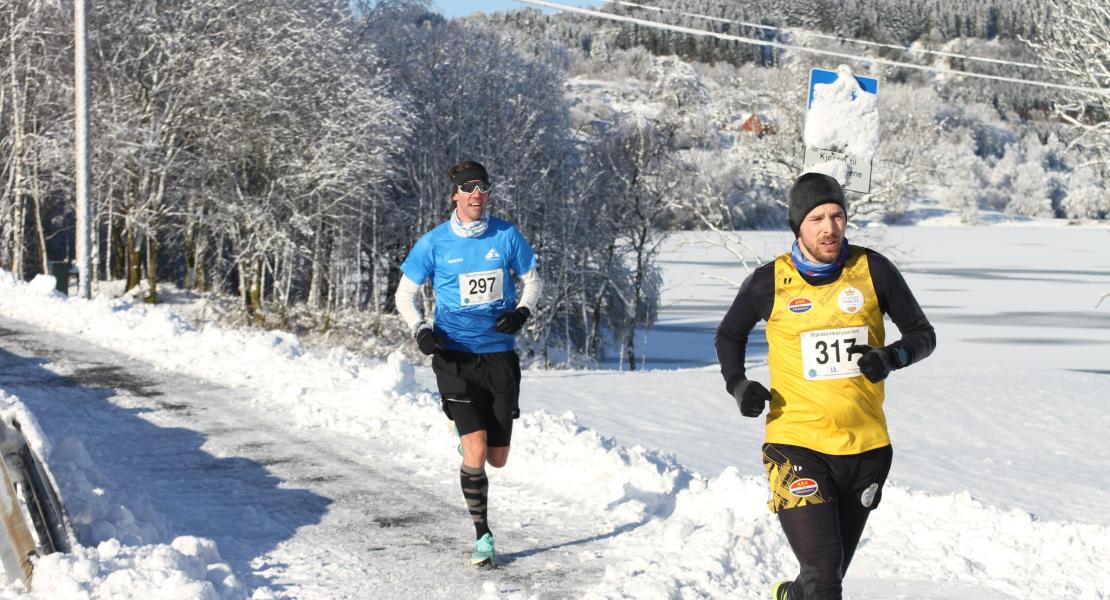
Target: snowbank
(186, 568)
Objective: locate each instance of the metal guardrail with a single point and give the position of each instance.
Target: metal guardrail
(33, 516)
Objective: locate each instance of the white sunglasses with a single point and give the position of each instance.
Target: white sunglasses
(469, 187)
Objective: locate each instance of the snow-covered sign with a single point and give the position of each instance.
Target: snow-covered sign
(842, 126)
(853, 172)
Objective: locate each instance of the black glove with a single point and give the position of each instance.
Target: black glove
(512, 321)
(428, 341)
(751, 397)
(876, 363)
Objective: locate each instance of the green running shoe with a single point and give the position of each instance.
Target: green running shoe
(781, 590)
(484, 554)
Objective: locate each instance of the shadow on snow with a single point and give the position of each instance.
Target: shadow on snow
(232, 500)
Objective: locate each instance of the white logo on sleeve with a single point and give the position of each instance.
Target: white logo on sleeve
(481, 287)
(825, 352)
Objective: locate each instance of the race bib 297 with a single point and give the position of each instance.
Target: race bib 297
(481, 287)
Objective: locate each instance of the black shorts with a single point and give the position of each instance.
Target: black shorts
(802, 477)
(480, 392)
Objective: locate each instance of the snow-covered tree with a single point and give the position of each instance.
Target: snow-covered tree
(498, 99)
(640, 188)
(35, 94)
(1075, 42)
(1031, 195)
(1087, 196)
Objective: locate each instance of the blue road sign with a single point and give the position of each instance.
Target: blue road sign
(816, 76)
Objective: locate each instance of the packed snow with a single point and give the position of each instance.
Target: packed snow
(216, 463)
(843, 117)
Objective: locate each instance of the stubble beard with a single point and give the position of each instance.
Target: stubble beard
(472, 213)
(821, 255)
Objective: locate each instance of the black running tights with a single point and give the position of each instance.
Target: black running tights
(824, 538)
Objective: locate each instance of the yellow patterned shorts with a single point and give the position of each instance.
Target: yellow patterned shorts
(790, 487)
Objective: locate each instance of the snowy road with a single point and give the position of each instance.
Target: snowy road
(304, 518)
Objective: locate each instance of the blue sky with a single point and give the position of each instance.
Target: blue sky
(458, 8)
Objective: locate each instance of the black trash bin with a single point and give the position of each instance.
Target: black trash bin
(60, 270)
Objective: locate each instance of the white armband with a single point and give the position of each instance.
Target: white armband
(530, 295)
(408, 304)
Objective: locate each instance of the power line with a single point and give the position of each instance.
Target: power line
(838, 38)
(746, 40)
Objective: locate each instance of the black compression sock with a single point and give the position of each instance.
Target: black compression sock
(475, 487)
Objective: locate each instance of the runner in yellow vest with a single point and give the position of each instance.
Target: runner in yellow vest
(827, 452)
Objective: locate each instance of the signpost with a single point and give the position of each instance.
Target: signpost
(81, 149)
(859, 166)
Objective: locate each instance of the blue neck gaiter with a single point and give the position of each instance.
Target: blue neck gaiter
(818, 269)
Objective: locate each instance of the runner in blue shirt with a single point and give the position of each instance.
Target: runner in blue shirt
(472, 261)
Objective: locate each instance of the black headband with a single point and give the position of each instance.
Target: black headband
(470, 174)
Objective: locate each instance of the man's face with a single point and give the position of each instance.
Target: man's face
(470, 205)
(821, 233)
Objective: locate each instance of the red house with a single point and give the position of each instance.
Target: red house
(758, 124)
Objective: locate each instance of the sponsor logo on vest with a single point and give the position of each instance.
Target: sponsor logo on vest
(800, 305)
(869, 495)
(455, 260)
(850, 300)
(803, 487)
(492, 254)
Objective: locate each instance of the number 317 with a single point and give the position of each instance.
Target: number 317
(823, 347)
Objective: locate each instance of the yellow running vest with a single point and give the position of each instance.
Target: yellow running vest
(819, 400)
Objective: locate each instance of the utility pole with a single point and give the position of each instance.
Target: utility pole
(81, 148)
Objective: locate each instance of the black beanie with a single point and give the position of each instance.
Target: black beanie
(810, 191)
(470, 171)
